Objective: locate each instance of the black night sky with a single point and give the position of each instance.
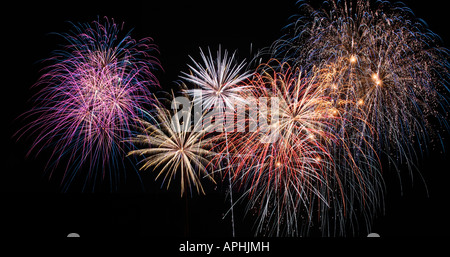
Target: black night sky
(32, 204)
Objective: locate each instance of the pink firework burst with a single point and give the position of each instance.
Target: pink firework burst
(91, 95)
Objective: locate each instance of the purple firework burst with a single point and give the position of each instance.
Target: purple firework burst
(92, 93)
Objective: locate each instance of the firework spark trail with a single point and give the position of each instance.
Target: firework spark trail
(176, 147)
(220, 82)
(92, 92)
(386, 60)
(355, 158)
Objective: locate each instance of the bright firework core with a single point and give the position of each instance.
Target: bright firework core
(376, 79)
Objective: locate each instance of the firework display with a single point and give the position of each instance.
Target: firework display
(380, 56)
(91, 93)
(301, 137)
(176, 147)
(219, 80)
(300, 165)
(221, 88)
(288, 174)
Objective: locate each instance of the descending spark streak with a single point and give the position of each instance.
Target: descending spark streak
(91, 94)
